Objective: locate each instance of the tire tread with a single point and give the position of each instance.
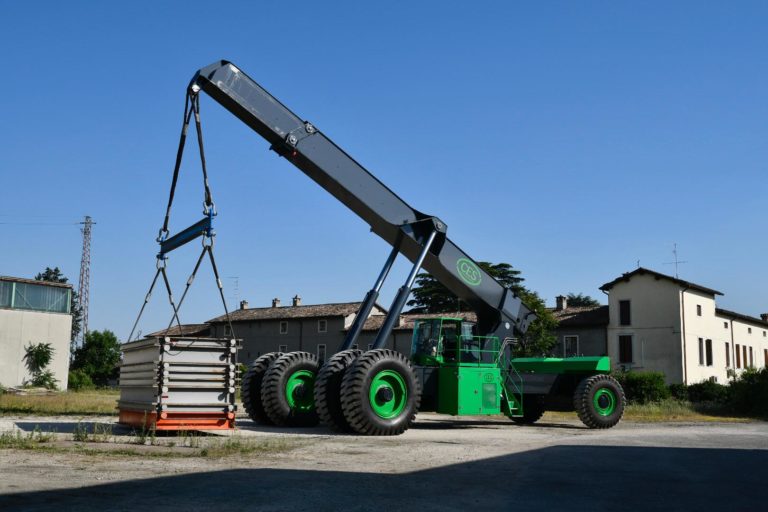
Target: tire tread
(582, 401)
(251, 397)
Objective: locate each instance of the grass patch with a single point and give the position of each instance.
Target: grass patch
(81, 403)
(19, 441)
(669, 410)
(190, 446)
(676, 410)
(237, 445)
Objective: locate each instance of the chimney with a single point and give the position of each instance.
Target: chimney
(764, 316)
(243, 304)
(275, 302)
(296, 300)
(562, 303)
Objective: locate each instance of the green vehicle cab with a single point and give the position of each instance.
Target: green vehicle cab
(465, 374)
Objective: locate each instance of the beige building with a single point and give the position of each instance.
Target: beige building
(33, 312)
(661, 323)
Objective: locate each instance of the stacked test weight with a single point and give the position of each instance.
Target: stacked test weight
(178, 383)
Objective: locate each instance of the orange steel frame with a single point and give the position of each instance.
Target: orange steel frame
(178, 420)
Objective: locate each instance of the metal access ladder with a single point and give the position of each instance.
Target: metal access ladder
(512, 381)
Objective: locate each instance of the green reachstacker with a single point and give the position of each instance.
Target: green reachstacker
(456, 367)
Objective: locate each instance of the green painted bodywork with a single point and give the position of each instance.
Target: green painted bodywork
(393, 382)
(474, 375)
(305, 379)
(609, 402)
(590, 365)
(477, 376)
(469, 390)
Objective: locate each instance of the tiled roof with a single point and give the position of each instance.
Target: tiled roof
(407, 320)
(289, 312)
(186, 330)
(738, 316)
(641, 271)
(581, 316)
(34, 281)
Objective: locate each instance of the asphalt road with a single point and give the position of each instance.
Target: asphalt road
(438, 465)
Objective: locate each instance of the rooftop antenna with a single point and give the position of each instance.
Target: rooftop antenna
(676, 262)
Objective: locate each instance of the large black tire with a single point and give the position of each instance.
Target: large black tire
(290, 407)
(380, 368)
(328, 390)
(599, 401)
(250, 388)
(533, 410)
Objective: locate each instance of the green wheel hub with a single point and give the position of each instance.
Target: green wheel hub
(300, 390)
(388, 394)
(604, 402)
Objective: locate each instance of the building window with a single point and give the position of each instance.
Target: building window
(749, 330)
(708, 351)
(698, 309)
(570, 346)
(765, 354)
(624, 316)
(727, 355)
(763, 334)
(751, 361)
(737, 352)
(725, 325)
(321, 353)
(282, 348)
(322, 326)
(34, 297)
(701, 351)
(227, 330)
(625, 349)
(283, 327)
(744, 355)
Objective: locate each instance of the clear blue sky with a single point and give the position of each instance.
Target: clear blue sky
(571, 139)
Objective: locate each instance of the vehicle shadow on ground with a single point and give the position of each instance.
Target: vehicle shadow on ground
(552, 478)
(252, 426)
(69, 427)
(464, 424)
(118, 430)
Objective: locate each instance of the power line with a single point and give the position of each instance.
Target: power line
(40, 223)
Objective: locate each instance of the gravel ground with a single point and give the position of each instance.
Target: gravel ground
(440, 464)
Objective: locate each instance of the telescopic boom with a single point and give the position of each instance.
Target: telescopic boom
(500, 312)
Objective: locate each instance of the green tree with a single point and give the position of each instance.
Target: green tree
(37, 357)
(98, 356)
(540, 337)
(581, 300)
(54, 275)
(430, 296)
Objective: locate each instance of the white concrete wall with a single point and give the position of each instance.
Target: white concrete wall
(707, 326)
(655, 325)
(18, 329)
(739, 334)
